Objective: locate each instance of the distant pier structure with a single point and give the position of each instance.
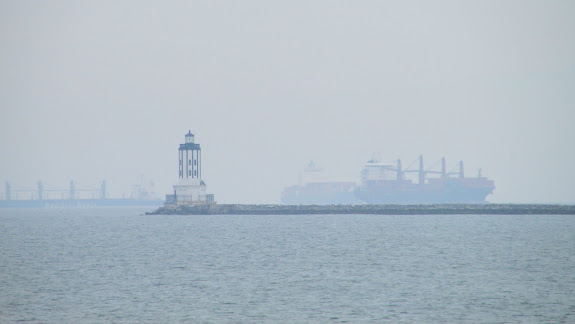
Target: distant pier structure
(76, 195)
(41, 193)
(190, 188)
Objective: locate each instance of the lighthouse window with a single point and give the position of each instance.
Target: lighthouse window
(196, 172)
(195, 162)
(189, 162)
(190, 172)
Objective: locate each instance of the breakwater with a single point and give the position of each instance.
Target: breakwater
(478, 209)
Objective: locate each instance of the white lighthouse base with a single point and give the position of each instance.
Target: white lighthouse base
(189, 192)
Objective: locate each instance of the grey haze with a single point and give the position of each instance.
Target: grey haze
(96, 90)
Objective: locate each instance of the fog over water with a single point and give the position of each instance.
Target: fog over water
(101, 90)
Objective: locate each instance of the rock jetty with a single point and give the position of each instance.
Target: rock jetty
(439, 209)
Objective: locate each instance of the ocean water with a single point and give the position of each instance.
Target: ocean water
(101, 265)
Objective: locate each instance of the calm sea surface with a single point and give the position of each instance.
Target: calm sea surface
(81, 265)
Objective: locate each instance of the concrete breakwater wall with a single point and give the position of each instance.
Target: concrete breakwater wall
(478, 209)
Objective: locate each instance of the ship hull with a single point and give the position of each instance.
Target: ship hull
(382, 197)
(344, 198)
(416, 194)
(328, 193)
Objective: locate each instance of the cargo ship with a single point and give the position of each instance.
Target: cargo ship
(386, 183)
(320, 193)
(383, 183)
(311, 190)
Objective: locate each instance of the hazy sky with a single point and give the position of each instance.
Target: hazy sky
(94, 90)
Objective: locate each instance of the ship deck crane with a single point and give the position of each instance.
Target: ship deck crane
(422, 173)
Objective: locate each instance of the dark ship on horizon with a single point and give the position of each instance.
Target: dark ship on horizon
(385, 183)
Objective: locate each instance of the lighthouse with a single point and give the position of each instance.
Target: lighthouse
(190, 188)
(190, 157)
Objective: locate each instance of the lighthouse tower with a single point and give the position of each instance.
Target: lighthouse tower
(190, 157)
(190, 188)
